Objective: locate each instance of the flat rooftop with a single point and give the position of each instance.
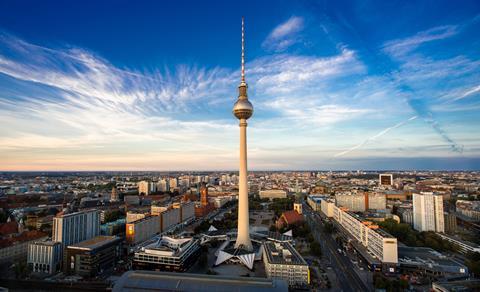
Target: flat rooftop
(283, 253)
(95, 242)
(427, 257)
(165, 281)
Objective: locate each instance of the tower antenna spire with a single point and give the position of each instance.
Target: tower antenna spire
(243, 49)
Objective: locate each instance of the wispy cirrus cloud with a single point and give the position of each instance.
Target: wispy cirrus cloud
(400, 47)
(284, 35)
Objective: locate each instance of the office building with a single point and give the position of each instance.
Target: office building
(377, 242)
(450, 220)
(428, 212)
(143, 229)
(44, 257)
(91, 257)
(168, 281)
(385, 179)
(272, 194)
(76, 227)
(282, 261)
(167, 254)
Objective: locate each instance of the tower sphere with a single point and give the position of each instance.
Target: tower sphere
(243, 109)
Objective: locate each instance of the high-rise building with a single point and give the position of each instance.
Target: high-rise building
(450, 220)
(162, 185)
(114, 196)
(173, 184)
(385, 179)
(428, 212)
(146, 187)
(75, 227)
(203, 194)
(243, 110)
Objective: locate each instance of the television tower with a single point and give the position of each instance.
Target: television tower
(243, 110)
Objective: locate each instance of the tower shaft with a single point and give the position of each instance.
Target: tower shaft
(243, 236)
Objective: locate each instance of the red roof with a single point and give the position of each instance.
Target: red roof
(8, 228)
(25, 236)
(292, 217)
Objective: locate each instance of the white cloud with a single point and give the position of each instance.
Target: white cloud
(280, 74)
(284, 35)
(400, 47)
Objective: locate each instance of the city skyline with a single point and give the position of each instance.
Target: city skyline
(342, 86)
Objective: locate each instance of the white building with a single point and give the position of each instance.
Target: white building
(354, 201)
(273, 194)
(173, 184)
(44, 256)
(75, 227)
(327, 206)
(378, 243)
(376, 201)
(282, 261)
(428, 212)
(167, 253)
(146, 187)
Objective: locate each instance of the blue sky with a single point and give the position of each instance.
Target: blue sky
(149, 85)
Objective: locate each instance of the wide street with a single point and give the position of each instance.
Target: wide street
(347, 278)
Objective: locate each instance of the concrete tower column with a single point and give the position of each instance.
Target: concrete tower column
(243, 237)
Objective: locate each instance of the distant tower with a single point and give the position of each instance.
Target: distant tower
(114, 196)
(203, 194)
(243, 110)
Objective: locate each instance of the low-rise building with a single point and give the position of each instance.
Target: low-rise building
(429, 263)
(15, 248)
(167, 253)
(470, 209)
(93, 256)
(44, 256)
(272, 194)
(282, 261)
(462, 245)
(165, 281)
